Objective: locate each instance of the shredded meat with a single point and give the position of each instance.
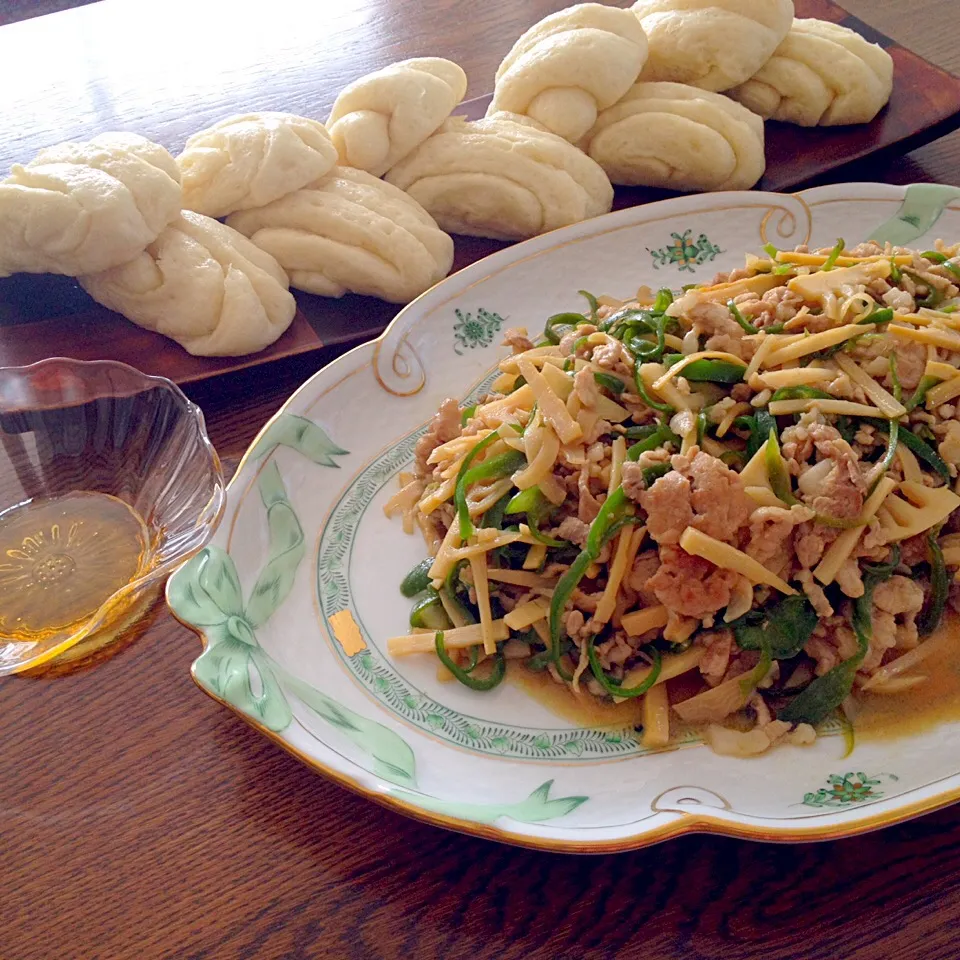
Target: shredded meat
(585, 387)
(831, 643)
(668, 507)
(573, 530)
(719, 644)
(611, 354)
(776, 306)
(911, 362)
(718, 500)
(701, 491)
(691, 585)
(849, 580)
(771, 530)
(444, 426)
(815, 594)
(517, 339)
(899, 300)
(711, 318)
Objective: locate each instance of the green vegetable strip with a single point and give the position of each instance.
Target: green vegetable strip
(658, 437)
(777, 470)
(831, 261)
(664, 299)
(887, 461)
(464, 676)
(770, 250)
(786, 626)
(930, 617)
(915, 445)
(460, 490)
(920, 394)
(895, 275)
(612, 688)
(565, 322)
(826, 693)
(878, 316)
(935, 257)
(714, 371)
(467, 414)
(800, 393)
(418, 579)
(609, 382)
(701, 426)
(532, 502)
(594, 307)
(647, 399)
(747, 326)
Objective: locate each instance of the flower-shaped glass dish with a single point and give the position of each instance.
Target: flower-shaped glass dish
(108, 482)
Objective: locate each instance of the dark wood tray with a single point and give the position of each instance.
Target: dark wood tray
(44, 316)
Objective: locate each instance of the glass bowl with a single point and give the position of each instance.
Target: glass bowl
(108, 482)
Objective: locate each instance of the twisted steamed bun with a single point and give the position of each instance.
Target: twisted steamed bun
(713, 44)
(202, 284)
(380, 118)
(87, 206)
(247, 161)
(502, 177)
(351, 233)
(571, 65)
(680, 137)
(821, 75)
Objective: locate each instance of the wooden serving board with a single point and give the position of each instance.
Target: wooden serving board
(44, 316)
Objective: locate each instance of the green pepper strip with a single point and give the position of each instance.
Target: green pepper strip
(466, 414)
(878, 316)
(712, 371)
(610, 382)
(647, 399)
(930, 618)
(701, 425)
(567, 321)
(777, 470)
(770, 250)
(532, 502)
(418, 579)
(916, 446)
(831, 261)
(464, 676)
(887, 461)
(934, 298)
(611, 687)
(940, 259)
(497, 466)
(800, 393)
(920, 394)
(594, 306)
(747, 326)
(895, 275)
(624, 317)
(663, 300)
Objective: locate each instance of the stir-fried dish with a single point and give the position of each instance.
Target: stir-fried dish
(747, 485)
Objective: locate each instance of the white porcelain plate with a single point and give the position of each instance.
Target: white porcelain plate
(298, 591)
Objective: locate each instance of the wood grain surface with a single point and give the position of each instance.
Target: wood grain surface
(140, 820)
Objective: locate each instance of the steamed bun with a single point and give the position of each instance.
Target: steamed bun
(378, 119)
(351, 233)
(249, 160)
(679, 137)
(821, 75)
(502, 177)
(87, 206)
(569, 66)
(713, 44)
(202, 284)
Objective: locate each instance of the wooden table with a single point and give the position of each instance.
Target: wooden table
(139, 820)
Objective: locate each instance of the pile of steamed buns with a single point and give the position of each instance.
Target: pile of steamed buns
(591, 95)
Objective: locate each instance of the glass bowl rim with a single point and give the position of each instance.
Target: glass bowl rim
(209, 517)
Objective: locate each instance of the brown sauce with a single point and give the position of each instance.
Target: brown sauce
(935, 701)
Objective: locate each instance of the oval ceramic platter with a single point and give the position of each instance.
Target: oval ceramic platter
(298, 591)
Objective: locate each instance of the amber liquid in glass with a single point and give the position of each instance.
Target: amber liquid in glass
(61, 558)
